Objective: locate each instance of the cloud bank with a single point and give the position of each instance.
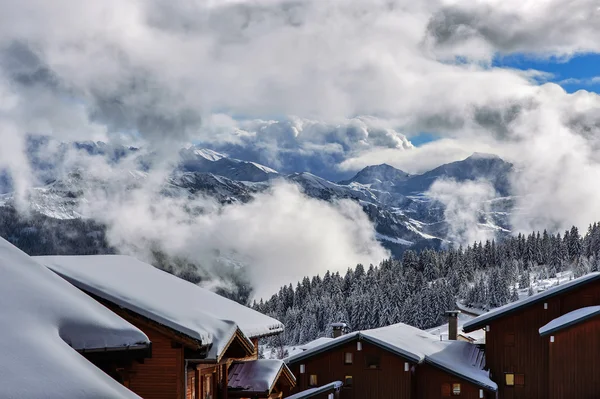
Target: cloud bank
(326, 86)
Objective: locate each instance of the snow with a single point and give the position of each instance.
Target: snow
(264, 168)
(209, 155)
(569, 319)
(312, 392)
(457, 357)
(185, 307)
(478, 336)
(44, 319)
(479, 322)
(255, 376)
(314, 343)
(394, 239)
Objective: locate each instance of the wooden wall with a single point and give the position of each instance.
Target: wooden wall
(429, 381)
(513, 343)
(160, 377)
(574, 361)
(390, 381)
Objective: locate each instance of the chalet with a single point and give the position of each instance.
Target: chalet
(398, 362)
(574, 353)
(46, 325)
(527, 342)
(197, 336)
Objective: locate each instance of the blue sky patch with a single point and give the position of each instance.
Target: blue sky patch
(577, 73)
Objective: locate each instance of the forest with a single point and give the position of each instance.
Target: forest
(420, 287)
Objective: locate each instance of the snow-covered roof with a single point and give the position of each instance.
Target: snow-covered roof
(314, 343)
(257, 375)
(312, 392)
(43, 321)
(569, 319)
(455, 357)
(166, 299)
(481, 321)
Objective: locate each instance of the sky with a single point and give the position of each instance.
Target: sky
(328, 87)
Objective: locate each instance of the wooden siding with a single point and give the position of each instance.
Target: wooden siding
(513, 343)
(390, 381)
(160, 377)
(429, 381)
(574, 366)
(190, 392)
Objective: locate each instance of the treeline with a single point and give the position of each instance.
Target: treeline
(418, 288)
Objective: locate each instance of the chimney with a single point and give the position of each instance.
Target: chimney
(453, 324)
(338, 329)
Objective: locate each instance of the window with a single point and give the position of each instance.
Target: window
(509, 379)
(509, 339)
(372, 361)
(348, 381)
(348, 358)
(455, 389)
(313, 380)
(446, 390)
(302, 369)
(520, 380)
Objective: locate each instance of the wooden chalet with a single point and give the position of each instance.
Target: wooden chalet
(45, 322)
(394, 362)
(574, 353)
(196, 336)
(528, 364)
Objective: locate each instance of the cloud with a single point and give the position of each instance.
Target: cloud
(480, 29)
(278, 237)
(464, 205)
(361, 76)
(297, 144)
(583, 82)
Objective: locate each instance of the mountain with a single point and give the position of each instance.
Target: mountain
(395, 201)
(381, 177)
(194, 159)
(478, 166)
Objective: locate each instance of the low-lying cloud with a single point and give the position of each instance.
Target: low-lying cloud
(278, 237)
(465, 204)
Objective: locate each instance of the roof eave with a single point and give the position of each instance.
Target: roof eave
(469, 379)
(477, 325)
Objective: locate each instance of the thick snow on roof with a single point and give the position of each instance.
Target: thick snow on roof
(164, 298)
(314, 343)
(255, 376)
(570, 319)
(456, 357)
(479, 322)
(312, 392)
(43, 320)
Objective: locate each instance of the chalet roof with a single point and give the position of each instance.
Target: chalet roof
(258, 375)
(312, 392)
(570, 319)
(43, 321)
(314, 343)
(455, 357)
(481, 321)
(166, 299)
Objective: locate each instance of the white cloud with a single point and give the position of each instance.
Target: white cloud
(463, 204)
(279, 237)
(157, 70)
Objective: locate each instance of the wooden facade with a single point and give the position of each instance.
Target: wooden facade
(574, 361)
(173, 368)
(376, 373)
(517, 356)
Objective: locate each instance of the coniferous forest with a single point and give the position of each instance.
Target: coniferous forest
(418, 288)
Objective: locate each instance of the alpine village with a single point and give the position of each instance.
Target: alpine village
(142, 331)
